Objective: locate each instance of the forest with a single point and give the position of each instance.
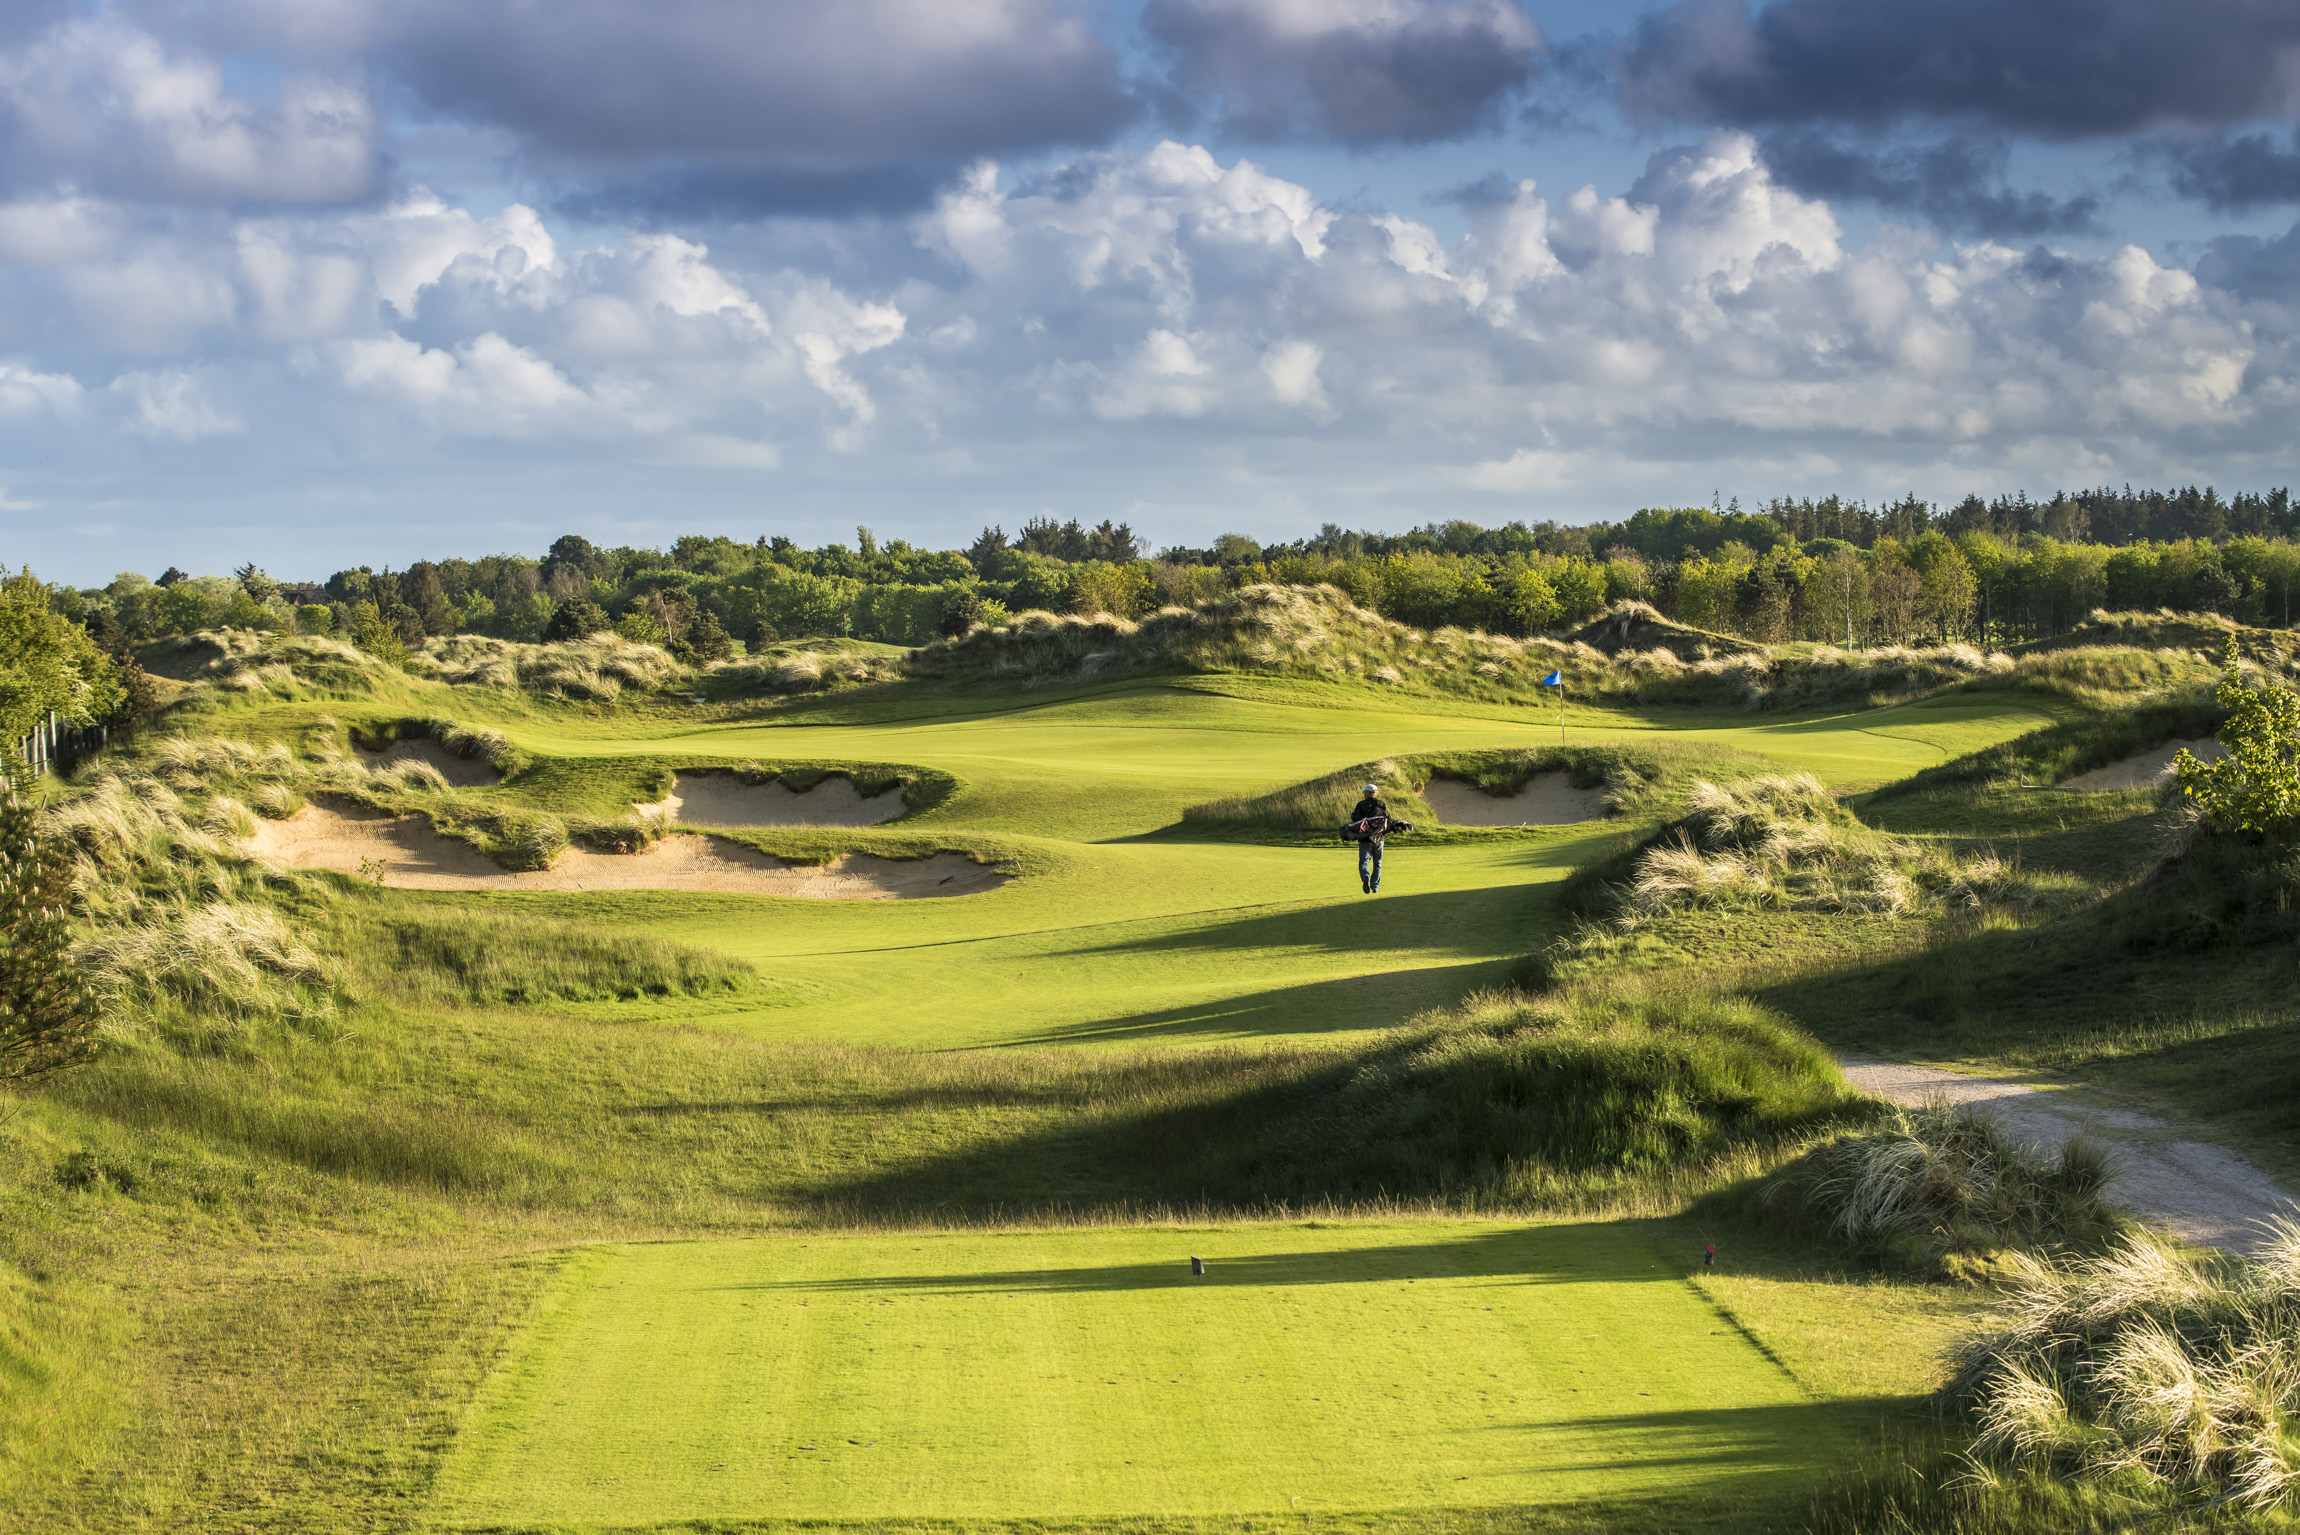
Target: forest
(1832, 570)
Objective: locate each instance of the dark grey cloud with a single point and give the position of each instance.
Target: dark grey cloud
(676, 195)
(2056, 68)
(2236, 172)
(1356, 72)
(2254, 267)
(1957, 185)
(764, 82)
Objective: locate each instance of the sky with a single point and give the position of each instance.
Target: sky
(315, 283)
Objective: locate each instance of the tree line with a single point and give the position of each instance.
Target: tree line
(1832, 570)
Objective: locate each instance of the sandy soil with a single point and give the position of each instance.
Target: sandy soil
(722, 799)
(2197, 1191)
(415, 857)
(1548, 799)
(2144, 770)
(459, 771)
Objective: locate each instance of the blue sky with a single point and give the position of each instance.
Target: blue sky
(323, 282)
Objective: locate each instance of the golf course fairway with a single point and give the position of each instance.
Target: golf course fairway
(1050, 1373)
(1126, 928)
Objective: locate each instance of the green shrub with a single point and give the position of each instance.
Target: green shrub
(2256, 787)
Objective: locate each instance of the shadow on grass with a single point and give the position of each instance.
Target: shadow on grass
(1346, 1004)
(1581, 1253)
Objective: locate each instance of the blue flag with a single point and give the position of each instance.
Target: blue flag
(1554, 680)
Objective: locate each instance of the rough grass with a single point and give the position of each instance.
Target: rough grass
(2056, 753)
(1640, 778)
(1942, 1180)
(1320, 632)
(2149, 1367)
(431, 953)
(2200, 636)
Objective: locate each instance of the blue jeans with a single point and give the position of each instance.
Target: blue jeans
(1370, 864)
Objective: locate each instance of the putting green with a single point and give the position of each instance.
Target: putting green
(1314, 1368)
(1124, 760)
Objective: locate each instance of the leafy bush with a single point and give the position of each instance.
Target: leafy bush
(2256, 787)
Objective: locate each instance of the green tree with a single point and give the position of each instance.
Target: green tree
(1532, 602)
(370, 633)
(2256, 787)
(48, 1013)
(47, 662)
(577, 619)
(1580, 588)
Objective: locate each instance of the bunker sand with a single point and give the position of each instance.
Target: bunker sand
(722, 799)
(1548, 799)
(2144, 770)
(415, 857)
(462, 772)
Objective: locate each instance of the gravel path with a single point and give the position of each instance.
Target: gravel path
(2197, 1191)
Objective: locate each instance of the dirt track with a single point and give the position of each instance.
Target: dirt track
(2198, 1191)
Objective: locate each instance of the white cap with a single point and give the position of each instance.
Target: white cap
(1373, 788)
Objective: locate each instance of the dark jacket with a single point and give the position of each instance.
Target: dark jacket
(1370, 806)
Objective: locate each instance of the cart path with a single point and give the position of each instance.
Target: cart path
(2196, 1190)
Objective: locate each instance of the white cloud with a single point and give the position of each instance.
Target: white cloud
(100, 105)
(174, 406)
(1209, 336)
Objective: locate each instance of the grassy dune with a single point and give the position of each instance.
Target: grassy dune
(591, 1209)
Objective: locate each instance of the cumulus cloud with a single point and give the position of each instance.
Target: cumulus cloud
(175, 406)
(1356, 72)
(1193, 328)
(102, 107)
(2060, 68)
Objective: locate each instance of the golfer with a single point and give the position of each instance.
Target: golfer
(1369, 824)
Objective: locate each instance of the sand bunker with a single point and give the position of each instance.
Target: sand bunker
(2144, 770)
(355, 840)
(1548, 799)
(722, 799)
(462, 772)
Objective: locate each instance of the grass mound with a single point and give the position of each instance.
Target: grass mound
(1589, 1097)
(1319, 632)
(2059, 752)
(2203, 635)
(1632, 626)
(2147, 1367)
(1638, 779)
(428, 953)
(1523, 1101)
(1785, 842)
(1943, 1180)
(598, 668)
